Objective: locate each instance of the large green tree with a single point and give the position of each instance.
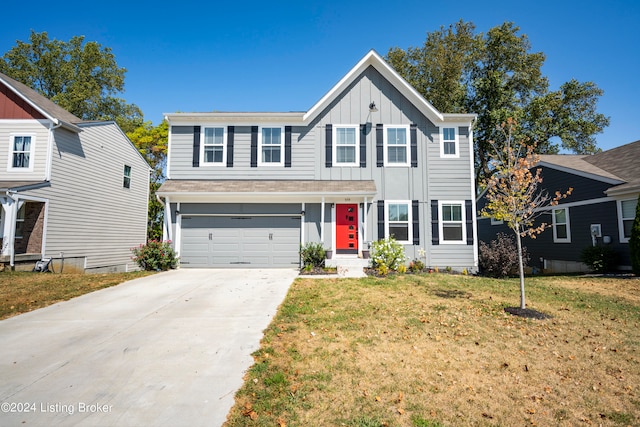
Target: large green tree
(82, 77)
(496, 76)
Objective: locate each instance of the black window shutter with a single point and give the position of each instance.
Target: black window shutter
(363, 146)
(231, 130)
(328, 146)
(254, 146)
(379, 145)
(435, 237)
(414, 145)
(416, 222)
(196, 146)
(469, 221)
(287, 146)
(380, 219)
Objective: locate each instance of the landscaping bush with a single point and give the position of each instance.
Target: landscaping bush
(599, 259)
(416, 266)
(155, 256)
(312, 254)
(634, 242)
(388, 254)
(500, 257)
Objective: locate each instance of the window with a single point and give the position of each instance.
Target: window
(271, 146)
(21, 155)
(449, 143)
(398, 221)
(213, 146)
(627, 211)
(345, 147)
(20, 220)
(561, 232)
(126, 183)
(496, 221)
(396, 142)
(452, 222)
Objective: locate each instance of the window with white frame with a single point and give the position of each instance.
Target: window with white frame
(398, 221)
(126, 181)
(561, 230)
(271, 146)
(449, 142)
(20, 220)
(346, 145)
(213, 146)
(396, 145)
(452, 222)
(21, 152)
(627, 212)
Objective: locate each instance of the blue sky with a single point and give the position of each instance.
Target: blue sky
(285, 55)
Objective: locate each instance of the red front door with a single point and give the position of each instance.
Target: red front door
(347, 229)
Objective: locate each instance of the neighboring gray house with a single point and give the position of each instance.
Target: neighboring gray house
(68, 189)
(600, 210)
(371, 159)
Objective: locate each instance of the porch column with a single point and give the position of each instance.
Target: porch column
(302, 223)
(364, 225)
(322, 221)
(5, 224)
(167, 233)
(176, 242)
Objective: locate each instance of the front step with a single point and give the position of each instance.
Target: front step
(348, 267)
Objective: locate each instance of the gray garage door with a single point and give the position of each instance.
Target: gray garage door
(240, 241)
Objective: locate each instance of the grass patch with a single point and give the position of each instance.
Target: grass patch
(439, 350)
(21, 292)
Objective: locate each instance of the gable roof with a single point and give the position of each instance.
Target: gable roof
(45, 106)
(371, 59)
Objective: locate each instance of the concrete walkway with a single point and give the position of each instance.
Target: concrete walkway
(166, 350)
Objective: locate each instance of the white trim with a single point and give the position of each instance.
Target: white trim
(302, 209)
(282, 148)
(169, 148)
(223, 162)
(178, 242)
(322, 207)
(409, 204)
(32, 151)
(407, 145)
(463, 222)
(334, 146)
(496, 221)
(621, 235)
(567, 224)
(456, 140)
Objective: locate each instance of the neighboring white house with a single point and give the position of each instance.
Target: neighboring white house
(371, 159)
(69, 189)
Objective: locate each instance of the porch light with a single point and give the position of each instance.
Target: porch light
(372, 107)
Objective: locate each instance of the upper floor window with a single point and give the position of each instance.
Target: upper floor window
(21, 152)
(213, 146)
(449, 146)
(452, 222)
(346, 143)
(398, 221)
(126, 182)
(561, 231)
(627, 213)
(396, 145)
(271, 146)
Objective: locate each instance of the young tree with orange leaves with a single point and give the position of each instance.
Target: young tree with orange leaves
(513, 191)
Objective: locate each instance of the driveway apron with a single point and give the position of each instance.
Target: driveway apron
(169, 349)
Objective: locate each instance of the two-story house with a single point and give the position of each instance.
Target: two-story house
(73, 191)
(371, 159)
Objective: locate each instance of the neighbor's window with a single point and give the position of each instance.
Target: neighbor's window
(213, 146)
(396, 145)
(561, 233)
(398, 221)
(21, 152)
(627, 215)
(449, 145)
(271, 146)
(346, 143)
(452, 222)
(126, 183)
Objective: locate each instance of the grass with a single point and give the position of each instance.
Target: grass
(21, 292)
(439, 350)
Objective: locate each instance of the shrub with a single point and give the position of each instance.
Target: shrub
(634, 242)
(599, 259)
(416, 266)
(500, 257)
(312, 254)
(155, 256)
(387, 252)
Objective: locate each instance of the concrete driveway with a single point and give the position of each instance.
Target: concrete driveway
(166, 350)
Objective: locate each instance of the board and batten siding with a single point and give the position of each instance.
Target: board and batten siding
(39, 130)
(90, 214)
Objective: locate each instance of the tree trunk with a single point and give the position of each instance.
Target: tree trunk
(520, 270)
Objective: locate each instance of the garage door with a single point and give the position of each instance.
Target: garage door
(240, 241)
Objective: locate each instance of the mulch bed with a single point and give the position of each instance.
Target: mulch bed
(527, 313)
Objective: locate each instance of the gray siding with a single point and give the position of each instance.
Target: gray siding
(90, 214)
(39, 130)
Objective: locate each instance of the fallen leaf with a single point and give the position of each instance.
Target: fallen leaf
(400, 411)
(378, 399)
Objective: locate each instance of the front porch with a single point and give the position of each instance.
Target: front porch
(348, 265)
